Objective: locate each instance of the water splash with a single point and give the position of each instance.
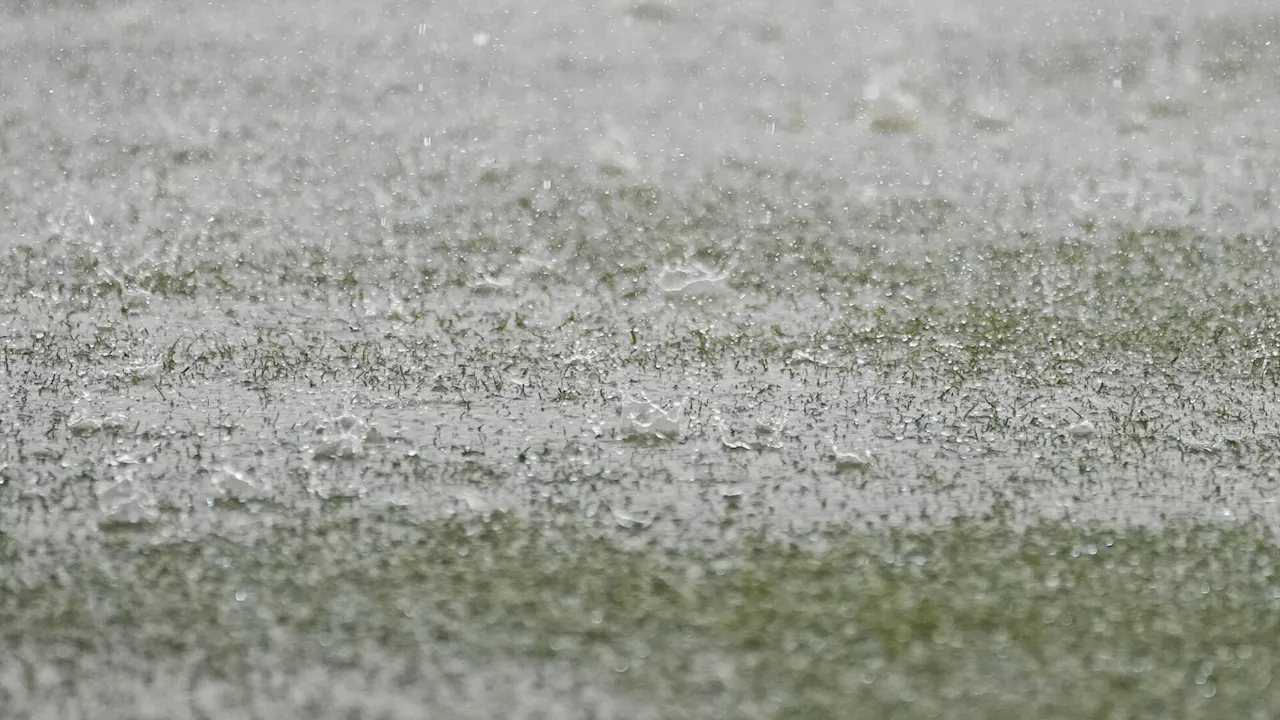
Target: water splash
(643, 420)
(345, 437)
(123, 499)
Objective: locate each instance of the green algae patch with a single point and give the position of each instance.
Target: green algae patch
(972, 620)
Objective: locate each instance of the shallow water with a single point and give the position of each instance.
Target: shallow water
(672, 278)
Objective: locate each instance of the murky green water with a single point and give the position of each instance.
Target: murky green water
(638, 360)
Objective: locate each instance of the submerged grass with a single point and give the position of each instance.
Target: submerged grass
(240, 322)
(970, 620)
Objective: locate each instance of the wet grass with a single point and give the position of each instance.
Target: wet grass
(316, 385)
(972, 620)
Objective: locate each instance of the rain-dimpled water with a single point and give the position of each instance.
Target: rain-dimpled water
(639, 359)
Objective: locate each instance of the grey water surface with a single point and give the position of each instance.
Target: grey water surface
(638, 359)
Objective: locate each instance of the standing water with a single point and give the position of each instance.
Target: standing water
(639, 359)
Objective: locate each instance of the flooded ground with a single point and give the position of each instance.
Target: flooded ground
(638, 360)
